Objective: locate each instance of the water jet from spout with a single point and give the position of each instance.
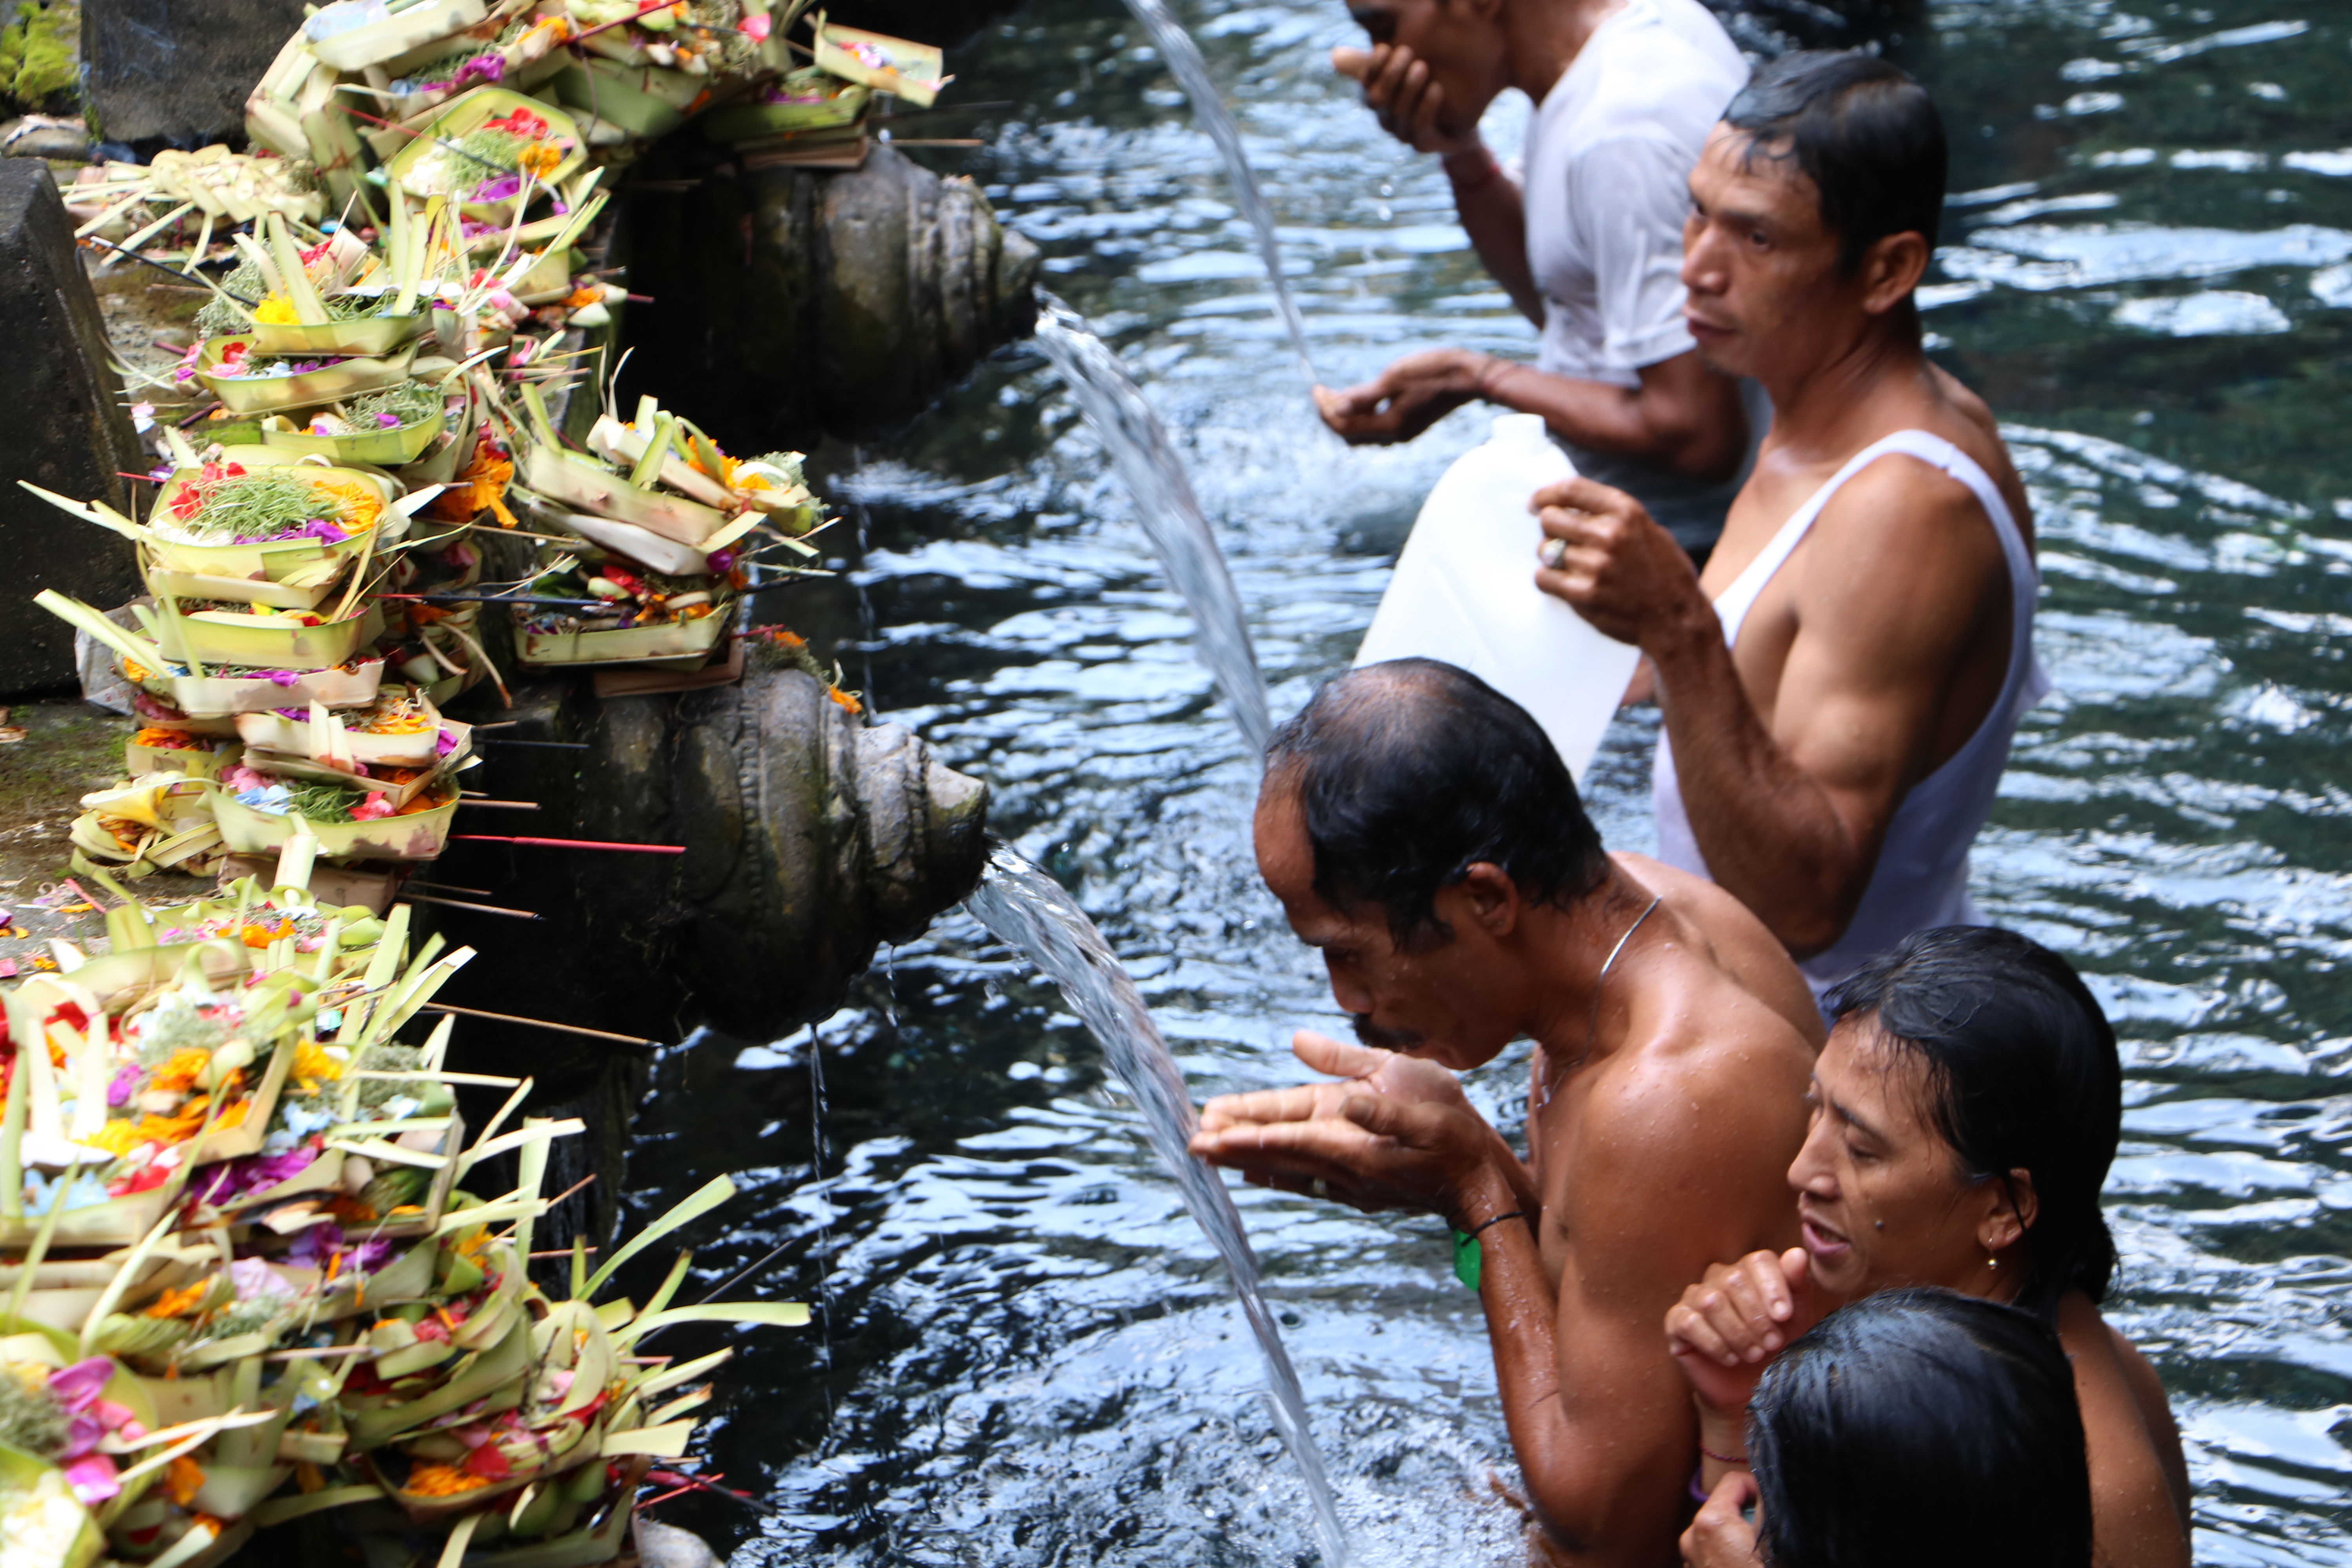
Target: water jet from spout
(1029, 911)
(1146, 460)
(1191, 72)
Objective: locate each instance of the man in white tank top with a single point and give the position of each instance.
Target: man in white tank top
(1587, 241)
(1841, 687)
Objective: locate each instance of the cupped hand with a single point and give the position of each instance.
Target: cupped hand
(1408, 100)
(1358, 1069)
(1610, 561)
(1718, 1536)
(1393, 1137)
(1404, 400)
(1727, 1329)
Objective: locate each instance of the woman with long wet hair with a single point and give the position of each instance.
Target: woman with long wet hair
(1964, 1113)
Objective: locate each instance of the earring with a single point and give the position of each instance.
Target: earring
(1991, 1261)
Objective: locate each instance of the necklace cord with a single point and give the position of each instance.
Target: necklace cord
(1593, 1024)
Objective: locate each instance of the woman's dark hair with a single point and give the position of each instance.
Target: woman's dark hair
(1904, 1427)
(1866, 136)
(2022, 1075)
(1409, 773)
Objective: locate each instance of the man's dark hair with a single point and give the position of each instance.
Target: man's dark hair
(2022, 1074)
(1409, 773)
(1885, 1435)
(1866, 136)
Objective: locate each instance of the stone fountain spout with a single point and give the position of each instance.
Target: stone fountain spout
(809, 839)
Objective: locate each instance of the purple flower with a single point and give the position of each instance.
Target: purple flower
(160, 472)
(372, 1254)
(496, 189)
(481, 67)
(119, 1091)
(236, 1178)
(444, 743)
(301, 715)
(321, 529)
(722, 560)
(93, 1478)
(282, 678)
(388, 421)
(316, 1245)
(563, 208)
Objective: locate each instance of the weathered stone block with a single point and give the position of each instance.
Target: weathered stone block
(178, 71)
(67, 433)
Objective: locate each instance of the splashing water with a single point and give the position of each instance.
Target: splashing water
(1179, 535)
(1026, 909)
(1191, 72)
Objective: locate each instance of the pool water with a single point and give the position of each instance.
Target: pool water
(1024, 1353)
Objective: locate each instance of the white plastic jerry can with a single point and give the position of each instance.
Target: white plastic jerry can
(1465, 592)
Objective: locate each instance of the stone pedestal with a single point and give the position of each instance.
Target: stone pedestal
(67, 432)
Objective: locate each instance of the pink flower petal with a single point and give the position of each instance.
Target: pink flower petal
(78, 1387)
(93, 1478)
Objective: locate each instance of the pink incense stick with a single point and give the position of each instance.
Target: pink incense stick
(569, 843)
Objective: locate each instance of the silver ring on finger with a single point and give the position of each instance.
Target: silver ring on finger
(1552, 552)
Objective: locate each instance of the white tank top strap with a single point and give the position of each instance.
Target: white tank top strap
(1731, 606)
(1921, 878)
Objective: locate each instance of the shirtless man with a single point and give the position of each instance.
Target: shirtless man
(1841, 687)
(1420, 829)
(1586, 240)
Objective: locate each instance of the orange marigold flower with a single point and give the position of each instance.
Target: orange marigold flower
(844, 698)
(172, 1303)
(313, 1066)
(183, 1479)
(442, 1480)
(180, 1074)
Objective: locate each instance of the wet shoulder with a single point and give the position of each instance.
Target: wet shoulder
(1734, 939)
(1710, 1087)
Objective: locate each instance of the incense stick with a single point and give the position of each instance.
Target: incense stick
(539, 1024)
(569, 844)
(478, 908)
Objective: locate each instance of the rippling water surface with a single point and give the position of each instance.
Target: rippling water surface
(1025, 1353)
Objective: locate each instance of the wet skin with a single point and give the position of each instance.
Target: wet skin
(1877, 649)
(1882, 1203)
(1656, 1136)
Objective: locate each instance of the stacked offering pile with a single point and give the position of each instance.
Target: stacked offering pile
(245, 1281)
(243, 1276)
(315, 594)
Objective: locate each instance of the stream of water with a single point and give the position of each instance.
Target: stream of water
(1030, 1356)
(1030, 912)
(1183, 57)
(1164, 504)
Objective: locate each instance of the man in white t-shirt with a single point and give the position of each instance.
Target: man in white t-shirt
(1588, 241)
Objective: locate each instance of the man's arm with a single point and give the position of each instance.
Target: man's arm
(1683, 415)
(1669, 1176)
(1790, 811)
(1399, 90)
